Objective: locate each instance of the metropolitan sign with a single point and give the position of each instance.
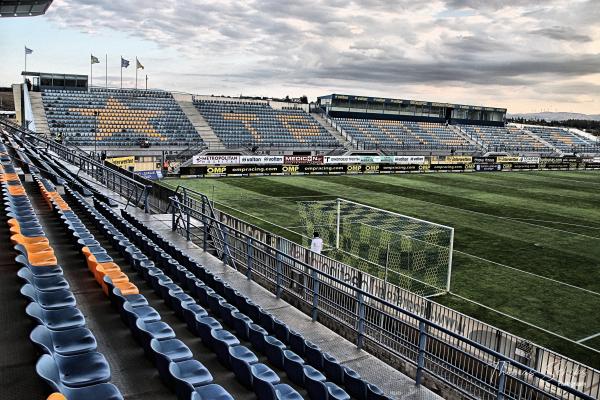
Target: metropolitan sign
(215, 160)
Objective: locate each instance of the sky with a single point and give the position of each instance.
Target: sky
(525, 55)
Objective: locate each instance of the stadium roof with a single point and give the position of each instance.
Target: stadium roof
(413, 102)
(11, 8)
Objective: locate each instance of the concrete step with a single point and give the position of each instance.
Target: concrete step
(39, 113)
(202, 127)
(327, 125)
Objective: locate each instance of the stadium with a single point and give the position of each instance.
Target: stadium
(168, 243)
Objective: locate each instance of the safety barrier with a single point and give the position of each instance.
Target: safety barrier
(135, 192)
(406, 330)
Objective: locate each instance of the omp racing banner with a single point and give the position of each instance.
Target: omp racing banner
(390, 168)
(258, 160)
(253, 169)
(215, 160)
(557, 166)
(523, 166)
(322, 169)
(295, 160)
(447, 167)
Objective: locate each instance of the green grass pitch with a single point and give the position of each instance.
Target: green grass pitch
(545, 223)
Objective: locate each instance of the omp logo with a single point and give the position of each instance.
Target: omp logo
(354, 168)
(371, 167)
(216, 170)
(290, 168)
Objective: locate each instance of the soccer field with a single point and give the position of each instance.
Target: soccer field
(526, 249)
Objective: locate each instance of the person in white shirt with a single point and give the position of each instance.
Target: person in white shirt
(316, 245)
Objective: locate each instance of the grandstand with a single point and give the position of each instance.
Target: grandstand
(505, 139)
(561, 138)
(117, 118)
(403, 135)
(247, 124)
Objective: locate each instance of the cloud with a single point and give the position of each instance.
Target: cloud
(387, 45)
(562, 33)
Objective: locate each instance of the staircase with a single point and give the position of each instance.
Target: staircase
(327, 125)
(211, 140)
(475, 142)
(39, 113)
(544, 142)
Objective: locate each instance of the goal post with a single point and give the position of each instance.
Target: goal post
(403, 250)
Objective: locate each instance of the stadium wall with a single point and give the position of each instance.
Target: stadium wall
(319, 165)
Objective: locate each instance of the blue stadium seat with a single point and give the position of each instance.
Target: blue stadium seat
(66, 342)
(294, 367)
(274, 351)
(187, 376)
(222, 340)
(49, 300)
(211, 392)
(166, 352)
(240, 359)
(64, 318)
(73, 371)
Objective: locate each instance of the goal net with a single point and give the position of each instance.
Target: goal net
(409, 252)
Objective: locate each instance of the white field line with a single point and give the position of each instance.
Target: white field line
(496, 216)
(588, 338)
(526, 323)
(565, 179)
(472, 301)
(555, 222)
(290, 229)
(529, 273)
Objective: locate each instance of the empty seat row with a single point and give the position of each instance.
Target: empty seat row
(561, 138)
(182, 373)
(283, 347)
(70, 363)
(394, 134)
(262, 379)
(239, 124)
(500, 138)
(108, 117)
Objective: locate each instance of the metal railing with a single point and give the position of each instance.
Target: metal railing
(134, 191)
(381, 327)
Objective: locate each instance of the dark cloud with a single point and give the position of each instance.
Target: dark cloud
(562, 33)
(378, 43)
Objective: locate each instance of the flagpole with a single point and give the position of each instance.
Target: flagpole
(121, 72)
(25, 49)
(106, 70)
(91, 77)
(136, 68)
(146, 81)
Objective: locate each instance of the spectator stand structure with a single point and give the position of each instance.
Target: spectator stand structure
(244, 124)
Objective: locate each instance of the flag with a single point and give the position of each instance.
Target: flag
(138, 64)
(124, 63)
(28, 51)
(94, 60)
